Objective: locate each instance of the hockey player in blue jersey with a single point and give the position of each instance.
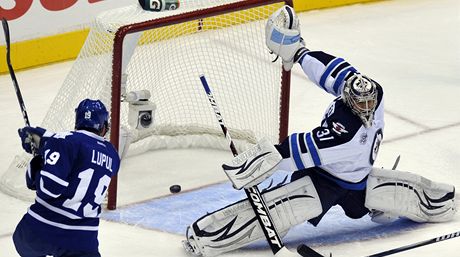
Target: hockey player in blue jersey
(70, 172)
(332, 164)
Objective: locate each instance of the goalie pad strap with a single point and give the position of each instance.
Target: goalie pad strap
(409, 195)
(236, 225)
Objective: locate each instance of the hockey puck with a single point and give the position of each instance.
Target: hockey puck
(175, 189)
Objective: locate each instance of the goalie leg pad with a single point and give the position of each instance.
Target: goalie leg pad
(404, 194)
(253, 166)
(236, 225)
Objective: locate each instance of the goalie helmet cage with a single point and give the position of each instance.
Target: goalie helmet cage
(129, 49)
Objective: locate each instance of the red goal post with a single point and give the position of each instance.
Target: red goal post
(176, 19)
(167, 21)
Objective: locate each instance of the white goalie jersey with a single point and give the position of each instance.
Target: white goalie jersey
(341, 146)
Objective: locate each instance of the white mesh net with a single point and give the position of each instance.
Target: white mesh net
(229, 49)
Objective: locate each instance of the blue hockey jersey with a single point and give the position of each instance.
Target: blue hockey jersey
(341, 147)
(70, 187)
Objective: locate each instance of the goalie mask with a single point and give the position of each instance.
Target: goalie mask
(91, 115)
(360, 94)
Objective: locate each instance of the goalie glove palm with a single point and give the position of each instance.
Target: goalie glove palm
(253, 166)
(282, 35)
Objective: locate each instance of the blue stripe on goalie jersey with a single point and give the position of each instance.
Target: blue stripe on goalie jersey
(294, 138)
(313, 151)
(341, 78)
(329, 68)
(336, 68)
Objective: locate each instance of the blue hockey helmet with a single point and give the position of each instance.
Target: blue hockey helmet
(91, 115)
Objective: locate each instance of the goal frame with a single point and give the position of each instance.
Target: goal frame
(123, 31)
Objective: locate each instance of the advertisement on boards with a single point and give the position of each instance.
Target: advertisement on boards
(29, 19)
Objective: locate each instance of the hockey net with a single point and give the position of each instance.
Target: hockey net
(129, 49)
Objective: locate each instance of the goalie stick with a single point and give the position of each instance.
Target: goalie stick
(6, 31)
(255, 198)
(305, 249)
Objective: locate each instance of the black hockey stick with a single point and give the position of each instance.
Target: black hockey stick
(255, 198)
(6, 31)
(306, 249)
(415, 245)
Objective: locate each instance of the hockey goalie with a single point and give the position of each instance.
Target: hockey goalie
(331, 165)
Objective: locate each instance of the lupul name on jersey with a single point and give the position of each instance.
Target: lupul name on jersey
(102, 160)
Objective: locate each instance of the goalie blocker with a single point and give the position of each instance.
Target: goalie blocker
(253, 166)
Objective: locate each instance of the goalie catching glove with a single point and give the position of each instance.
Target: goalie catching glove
(282, 36)
(253, 166)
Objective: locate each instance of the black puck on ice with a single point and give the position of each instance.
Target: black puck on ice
(175, 189)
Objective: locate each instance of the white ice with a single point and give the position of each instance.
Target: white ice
(412, 47)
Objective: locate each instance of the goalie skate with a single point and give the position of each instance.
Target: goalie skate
(190, 246)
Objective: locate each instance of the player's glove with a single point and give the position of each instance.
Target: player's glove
(282, 36)
(30, 138)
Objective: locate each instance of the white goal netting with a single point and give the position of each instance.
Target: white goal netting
(165, 53)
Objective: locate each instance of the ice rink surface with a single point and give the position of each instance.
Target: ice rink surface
(411, 47)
